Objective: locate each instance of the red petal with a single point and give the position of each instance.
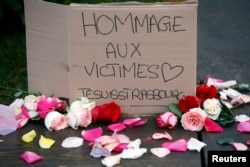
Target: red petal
(91, 135)
(212, 126)
(120, 147)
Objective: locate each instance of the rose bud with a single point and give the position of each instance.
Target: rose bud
(166, 119)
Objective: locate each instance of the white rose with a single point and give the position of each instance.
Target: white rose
(80, 113)
(212, 108)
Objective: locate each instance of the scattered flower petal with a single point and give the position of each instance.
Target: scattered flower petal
(120, 147)
(248, 142)
(29, 137)
(231, 93)
(99, 151)
(92, 134)
(111, 161)
(72, 142)
(225, 141)
(133, 153)
(121, 137)
(135, 144)
(212, 126)
(160, 152)
(165, 135)
(116, 127)
(194, 144)
(241, 99)
(242, 118)
(31, 157)
(131, 122)
(45, 142)
(178, 146)
(244, 127)
(239, 146)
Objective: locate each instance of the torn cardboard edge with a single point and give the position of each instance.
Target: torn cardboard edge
(60, 58)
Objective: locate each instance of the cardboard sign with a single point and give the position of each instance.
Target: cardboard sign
(142, 56)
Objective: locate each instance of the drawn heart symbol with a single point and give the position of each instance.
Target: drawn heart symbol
(169, 73)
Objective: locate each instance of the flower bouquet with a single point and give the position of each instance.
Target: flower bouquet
(210, 108)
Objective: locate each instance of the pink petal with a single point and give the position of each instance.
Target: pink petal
(121, 137)
(244, 127)
(239, 146)
(31, 157)
(165, 135)
(212, 126)
(117, 127)
(179, 145)
(92, 134)
(248, 142)
(131, 122)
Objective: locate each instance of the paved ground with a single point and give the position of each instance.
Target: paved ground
(224, 39)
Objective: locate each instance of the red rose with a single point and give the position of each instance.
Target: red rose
(109, 112)
(204, 92)
(188, 102)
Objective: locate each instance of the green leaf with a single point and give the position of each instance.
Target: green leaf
(242, 87)
(173, 107)
(225, 141)
(18, 94)
(226, 116)
(226, 110)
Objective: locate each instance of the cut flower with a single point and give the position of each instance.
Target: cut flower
(166, 119)
(55, 121)
(193, 120)
(109, 112)
(212, 108)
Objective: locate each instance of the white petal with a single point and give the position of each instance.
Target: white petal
(242, 118)
(194, 144)
(133, 153)
(160, 152)
(134, 144)
(111, 161)
(72, 142)
(232, 93)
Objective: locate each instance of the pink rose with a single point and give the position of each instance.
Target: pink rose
(55, 121)
(193, 120)
(166, 119)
